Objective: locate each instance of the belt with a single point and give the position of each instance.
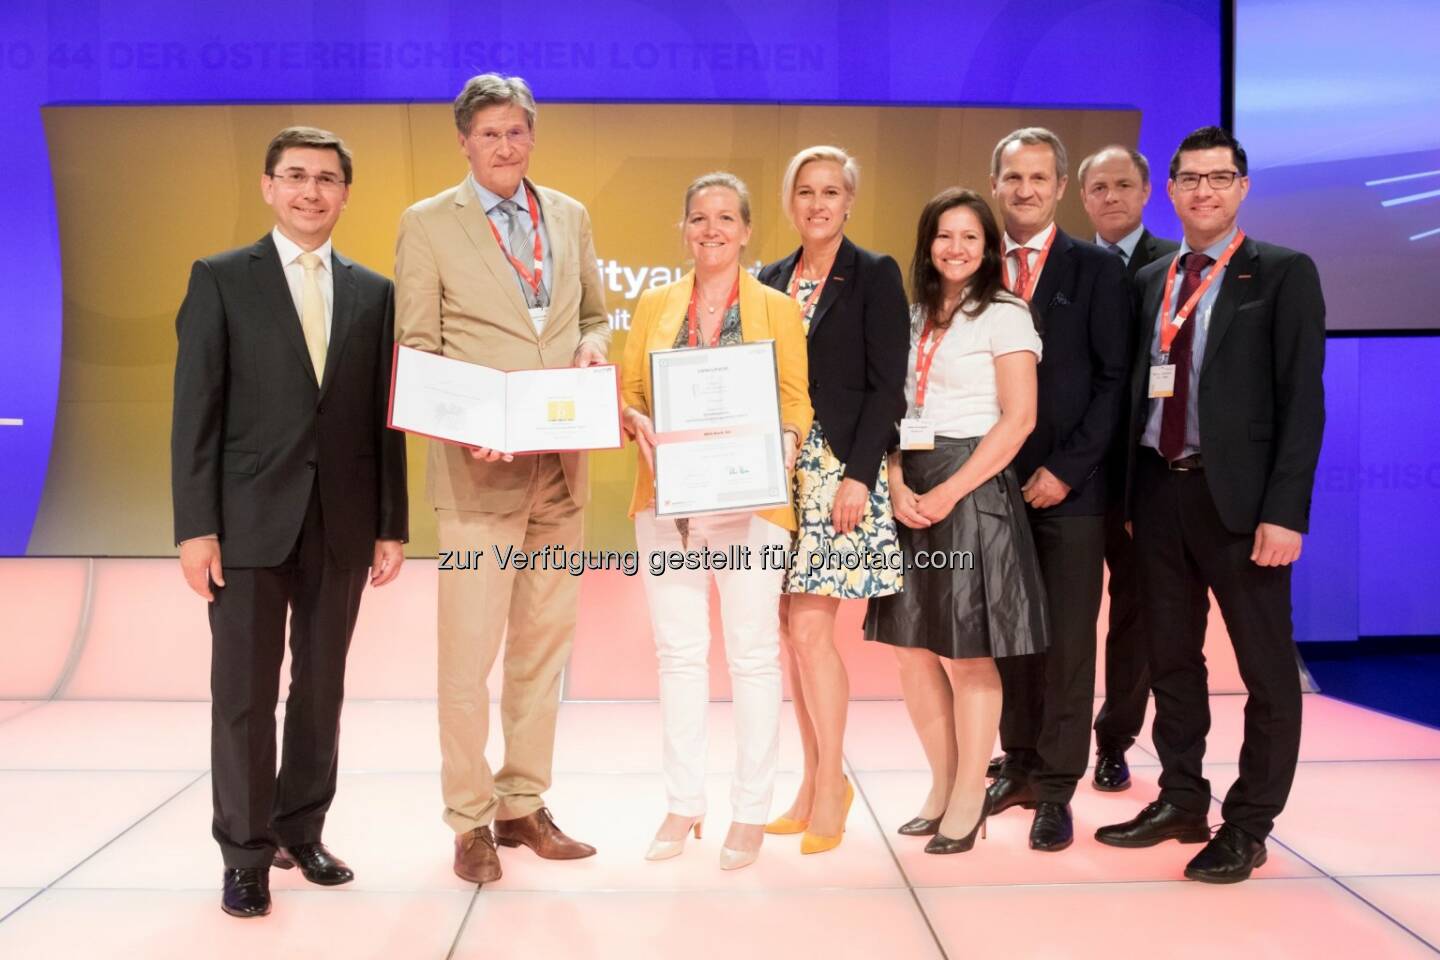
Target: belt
(1186, 464)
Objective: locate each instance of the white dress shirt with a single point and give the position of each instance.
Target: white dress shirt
(1127, 243)
(290, 252)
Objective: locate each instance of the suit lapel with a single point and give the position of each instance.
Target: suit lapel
(1239, 275)
(269, 278)
(476, 225)
(672, 314)
(342, 316)
(1142, 255)
(754, 318)
(837, 283)
(1056, 274)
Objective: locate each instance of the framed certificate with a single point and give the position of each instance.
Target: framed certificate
(516, 411)
(719, 444)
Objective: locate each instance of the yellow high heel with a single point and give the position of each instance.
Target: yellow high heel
(781, 826)
(814, 842)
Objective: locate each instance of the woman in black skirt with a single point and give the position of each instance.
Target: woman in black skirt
(972, 582)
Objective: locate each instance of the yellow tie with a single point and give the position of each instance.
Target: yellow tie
(312, 313)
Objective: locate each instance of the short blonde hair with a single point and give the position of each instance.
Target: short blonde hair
(849, 170)
(719, 178)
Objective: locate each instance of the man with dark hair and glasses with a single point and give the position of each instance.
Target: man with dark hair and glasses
(1228, 411)
(281, 463)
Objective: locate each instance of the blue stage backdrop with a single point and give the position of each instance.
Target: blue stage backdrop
(1162, 57)
(1374, 530)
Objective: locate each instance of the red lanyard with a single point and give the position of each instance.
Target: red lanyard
(795, 285)
(1169, 329)
(1028, 294)
(532, 279)
(692, 314)
(925, 360)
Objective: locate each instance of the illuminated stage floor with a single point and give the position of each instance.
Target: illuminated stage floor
(105, 852)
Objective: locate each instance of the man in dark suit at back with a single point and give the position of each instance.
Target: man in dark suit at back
(1115, 187)
(1077, 292)
(1228, 413)
(282, 464)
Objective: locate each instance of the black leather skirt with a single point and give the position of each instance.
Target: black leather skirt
(972, 581)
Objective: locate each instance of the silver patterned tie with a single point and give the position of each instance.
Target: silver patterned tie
(518, 239)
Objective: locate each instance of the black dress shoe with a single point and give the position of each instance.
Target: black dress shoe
(1053, 828)
(920, 827)
(942, 844)
(993, 769)
(1158, 822)
(1228, 858)
(316, 863)
(1007, 792)
(1112, 773)
(246, 892)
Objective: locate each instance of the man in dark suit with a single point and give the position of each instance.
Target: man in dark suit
(1078, 294)
(281, 459)
(1115, 186)
(1228, 414)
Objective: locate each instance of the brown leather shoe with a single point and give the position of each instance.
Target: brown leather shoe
(475, 856)
(538, 832)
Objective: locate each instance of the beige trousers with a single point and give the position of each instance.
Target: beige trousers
(475, 607)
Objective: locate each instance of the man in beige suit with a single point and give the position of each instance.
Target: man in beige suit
(501, 272)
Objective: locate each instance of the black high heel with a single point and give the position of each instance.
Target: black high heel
(943, 844)
(920, 827)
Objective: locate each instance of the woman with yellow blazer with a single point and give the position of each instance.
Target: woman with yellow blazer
(719, 304)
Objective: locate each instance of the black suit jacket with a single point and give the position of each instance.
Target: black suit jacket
(1261, 393)
(859, 345)
(1083, 310)
(253, 432)
(1147, 251)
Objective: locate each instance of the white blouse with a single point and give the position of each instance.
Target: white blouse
(960, 398)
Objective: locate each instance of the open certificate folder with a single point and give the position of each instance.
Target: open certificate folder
(516, 411)
(719, 444)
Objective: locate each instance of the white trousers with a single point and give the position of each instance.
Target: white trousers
(680, 618)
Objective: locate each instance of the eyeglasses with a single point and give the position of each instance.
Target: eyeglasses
(490, 139)
(1218, 179)
(294, 178)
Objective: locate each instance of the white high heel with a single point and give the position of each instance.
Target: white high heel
(735, 859)
(666, 849)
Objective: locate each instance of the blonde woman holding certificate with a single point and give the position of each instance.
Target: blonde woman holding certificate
(719, 304)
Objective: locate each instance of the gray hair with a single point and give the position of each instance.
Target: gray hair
(1136, 157)
(492, 90)
(1031, 136)
(720, 178)
(849, 170)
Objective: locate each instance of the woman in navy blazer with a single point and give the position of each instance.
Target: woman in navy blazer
(857, 331)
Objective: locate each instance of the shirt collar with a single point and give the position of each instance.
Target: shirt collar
(290, 251)
(1127, 243)
(491, 200)
(1215, 249)
(1036, 242)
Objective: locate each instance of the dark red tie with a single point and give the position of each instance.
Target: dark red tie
(1172, 414)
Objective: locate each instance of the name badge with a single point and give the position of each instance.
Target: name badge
(1162, 381)
(537, 317)
(917, 434)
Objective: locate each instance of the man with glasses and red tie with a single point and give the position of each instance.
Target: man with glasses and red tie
(1228, 414)
(282, 467)
(1077, 293)
(501, 272)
